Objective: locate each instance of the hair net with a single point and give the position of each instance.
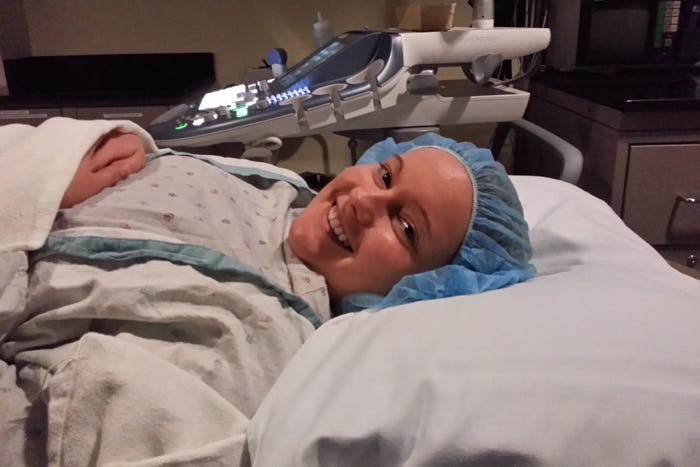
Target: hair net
(496, 250)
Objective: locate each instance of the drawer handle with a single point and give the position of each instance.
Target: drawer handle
(21, 115)
(679, 199)
(122, 115)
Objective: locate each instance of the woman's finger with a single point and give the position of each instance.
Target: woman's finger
(88, 182)
(118, 170)
(115, 147)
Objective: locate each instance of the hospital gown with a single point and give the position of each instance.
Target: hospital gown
(155, 316)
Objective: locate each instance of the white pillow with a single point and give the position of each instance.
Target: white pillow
(594, 362)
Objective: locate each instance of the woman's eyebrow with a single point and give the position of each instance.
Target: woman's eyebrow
(400, 162)
(426, 219)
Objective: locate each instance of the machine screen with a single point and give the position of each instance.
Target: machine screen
(305, 67)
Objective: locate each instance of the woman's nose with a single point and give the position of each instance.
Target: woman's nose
(368, 204)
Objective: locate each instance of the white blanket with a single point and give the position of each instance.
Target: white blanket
(148, 363)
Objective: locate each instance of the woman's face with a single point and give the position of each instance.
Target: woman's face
(375, 223)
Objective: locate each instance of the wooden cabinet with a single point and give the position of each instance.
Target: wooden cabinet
(141, 115)
(662, 192)
(645, 164)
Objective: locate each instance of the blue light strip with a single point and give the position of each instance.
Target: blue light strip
(283, 96)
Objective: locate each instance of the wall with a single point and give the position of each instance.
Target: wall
(239, 33)
(14, 33)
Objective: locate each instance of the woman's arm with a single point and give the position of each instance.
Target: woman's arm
(116, 157)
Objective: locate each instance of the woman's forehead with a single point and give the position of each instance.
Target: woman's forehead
(441, 184)
(446, 163)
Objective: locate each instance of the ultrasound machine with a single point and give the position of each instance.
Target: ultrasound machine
(363, 80)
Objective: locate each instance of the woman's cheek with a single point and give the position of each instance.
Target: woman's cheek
(301, 239)
(385, 250)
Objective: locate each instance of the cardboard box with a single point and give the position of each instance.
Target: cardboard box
(426, 17)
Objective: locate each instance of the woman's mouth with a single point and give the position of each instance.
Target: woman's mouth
(336, 229)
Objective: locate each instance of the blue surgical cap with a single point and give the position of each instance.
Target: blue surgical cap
(496, 250)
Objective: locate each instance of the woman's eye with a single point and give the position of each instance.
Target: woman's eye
(408, 231)
(386, 176)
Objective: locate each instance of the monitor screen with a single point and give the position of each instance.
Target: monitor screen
(618, 35)
(305, 67)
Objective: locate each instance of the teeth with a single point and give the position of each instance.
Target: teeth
(335, 226)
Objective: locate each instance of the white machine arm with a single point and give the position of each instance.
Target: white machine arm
(463, 45)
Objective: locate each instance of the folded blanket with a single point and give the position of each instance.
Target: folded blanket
(38, 165)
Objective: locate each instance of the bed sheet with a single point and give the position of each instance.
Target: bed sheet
(594, 362)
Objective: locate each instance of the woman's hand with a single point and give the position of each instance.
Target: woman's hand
(116, 157)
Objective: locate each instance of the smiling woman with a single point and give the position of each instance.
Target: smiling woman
(123, 266)
(374, 224)
(429, 218)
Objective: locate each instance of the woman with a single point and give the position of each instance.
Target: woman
(147, 319)
(376, 224)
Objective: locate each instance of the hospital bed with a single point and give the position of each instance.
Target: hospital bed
(592, 362)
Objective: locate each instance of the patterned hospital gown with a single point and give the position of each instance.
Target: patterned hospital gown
(182, 199)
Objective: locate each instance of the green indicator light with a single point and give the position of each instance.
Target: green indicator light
(241, 112)
(181, 126)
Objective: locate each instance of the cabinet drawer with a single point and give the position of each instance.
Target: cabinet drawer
(139, 115)
(28, 116)
(662, 182)
(687, 256)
